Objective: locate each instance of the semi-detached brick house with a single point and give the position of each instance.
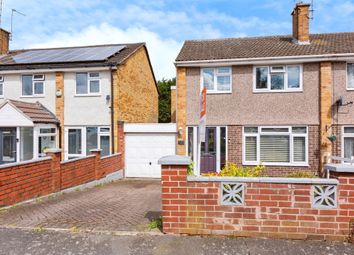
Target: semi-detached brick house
(84, 90)
(285, 101)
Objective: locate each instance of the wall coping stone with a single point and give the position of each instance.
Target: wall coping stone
(263, 180)
(95, 150)
(76, 159)
(112, 155)
(339, 168)
(24, 162)
(175, 160)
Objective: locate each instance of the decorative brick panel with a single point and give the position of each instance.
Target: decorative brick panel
(235, 152)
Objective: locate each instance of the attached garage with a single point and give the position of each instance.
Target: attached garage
(145, 144)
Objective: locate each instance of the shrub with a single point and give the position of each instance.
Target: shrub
(231, 169)
(301, 174)
(190, 169)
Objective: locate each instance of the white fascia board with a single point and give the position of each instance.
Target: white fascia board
(74, 69)
(263, 61)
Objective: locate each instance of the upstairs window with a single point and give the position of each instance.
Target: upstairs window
(350, 76)
(278, 78)
(1, 86)
(88, 84)
(33, 85)
(217, 80)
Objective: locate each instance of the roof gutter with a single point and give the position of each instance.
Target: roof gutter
(268, 60)
(49, 70)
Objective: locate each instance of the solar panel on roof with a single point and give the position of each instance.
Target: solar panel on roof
(98, 53)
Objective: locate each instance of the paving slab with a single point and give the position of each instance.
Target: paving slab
(16, 242)
(125, 205)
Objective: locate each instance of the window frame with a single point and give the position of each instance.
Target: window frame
(34, 81)
(2, 81)
(89, 93)
(345, 135)
(286, 86)
(346, 76)
(215, 75)
(291, 145)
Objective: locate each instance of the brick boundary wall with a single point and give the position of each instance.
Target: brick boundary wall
(26, 180)
(191, 205)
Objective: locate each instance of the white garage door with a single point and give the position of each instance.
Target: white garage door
(145, 144)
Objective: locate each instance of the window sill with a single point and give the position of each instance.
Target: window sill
(34, 96)
(276, 164)
(277, 91)
(350, 89)
(218, 92)
(88, 95)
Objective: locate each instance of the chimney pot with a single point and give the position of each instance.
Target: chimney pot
(301, 34)
(4, 41)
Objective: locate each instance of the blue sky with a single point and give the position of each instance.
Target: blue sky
(162, 24)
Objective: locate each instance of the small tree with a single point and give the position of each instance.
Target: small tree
(165, 99)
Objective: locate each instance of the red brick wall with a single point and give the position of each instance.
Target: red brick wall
(23, 181)
(269, 210)
(77, 171)
(235, 152)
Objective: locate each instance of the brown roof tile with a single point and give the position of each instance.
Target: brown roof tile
(265, 47)
(35, 111)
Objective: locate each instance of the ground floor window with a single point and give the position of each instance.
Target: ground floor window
(275, 145)
(348, 142)
(213, 152)
(47, 139)
(81, 140)
(26, 143)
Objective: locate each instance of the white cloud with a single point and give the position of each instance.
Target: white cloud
(162, 51)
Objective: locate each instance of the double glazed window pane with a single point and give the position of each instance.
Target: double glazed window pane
(223, 83)
(208, 78)
(348, 147)
(27, 89)
(26, 136)
(299, 149)
(104, 145)
(274, 149)
(350, 74)
(38, 88)
(261, 77)
(75, 141)
(91, 139)
(1, 89)
(293, 77)
(81, 83)
(277, 81)
(46, 142)
(251, 148)
(94, 86)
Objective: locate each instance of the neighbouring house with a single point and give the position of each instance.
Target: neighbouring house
(72, 98)
(285, 101)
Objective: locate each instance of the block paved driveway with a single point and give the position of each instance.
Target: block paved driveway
(125, 205)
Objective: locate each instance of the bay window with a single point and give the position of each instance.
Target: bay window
(47, 138)
(217, 79)
(278, 78)
(275, 145)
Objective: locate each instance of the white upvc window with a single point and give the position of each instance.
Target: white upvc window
(88, 83)
(277, 78)
(275, 145)
(216, 80)
(350, 76)
(33, 85)
(1, 86)
(81, 140)
(47, 139)
(348, 142)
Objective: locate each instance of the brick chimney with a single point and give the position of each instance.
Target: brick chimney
(301, 19)
(4, 41)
